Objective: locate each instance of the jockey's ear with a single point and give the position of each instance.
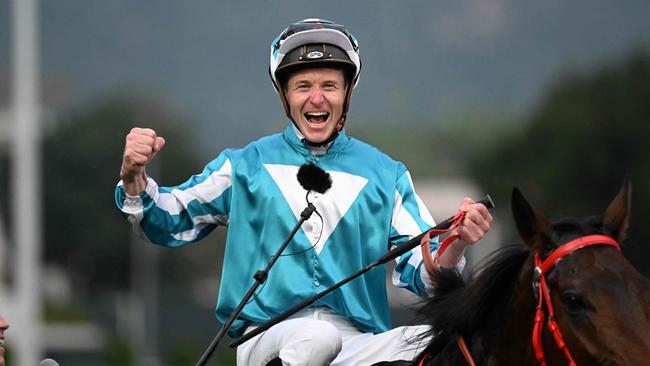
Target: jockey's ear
(533, 227)
(616, 218)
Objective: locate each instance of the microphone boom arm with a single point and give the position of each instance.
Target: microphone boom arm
(260, 277)
(392, 254)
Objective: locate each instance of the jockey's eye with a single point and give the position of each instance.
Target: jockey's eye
(574, 304)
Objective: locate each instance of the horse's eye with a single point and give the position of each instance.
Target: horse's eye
(573, 303)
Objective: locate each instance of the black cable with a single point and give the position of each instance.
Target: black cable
(322, 223)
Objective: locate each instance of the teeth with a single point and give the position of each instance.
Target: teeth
(2, 342)
(316, 114)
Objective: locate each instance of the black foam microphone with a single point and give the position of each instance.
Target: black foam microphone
(313, 178)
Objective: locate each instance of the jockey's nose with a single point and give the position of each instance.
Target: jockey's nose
(316, 98)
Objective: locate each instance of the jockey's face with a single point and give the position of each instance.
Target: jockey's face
(316, 98)
(3, 326)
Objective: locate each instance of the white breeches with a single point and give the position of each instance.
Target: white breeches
(317, 337)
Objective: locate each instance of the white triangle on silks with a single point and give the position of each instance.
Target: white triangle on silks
(332, 205)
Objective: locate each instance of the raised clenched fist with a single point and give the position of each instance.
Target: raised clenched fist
(141, 146)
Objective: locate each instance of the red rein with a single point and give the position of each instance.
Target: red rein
(431, 265)
(543, 296)
(429, 262)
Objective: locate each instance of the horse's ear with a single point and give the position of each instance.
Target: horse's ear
(617, 216)
(533, 227)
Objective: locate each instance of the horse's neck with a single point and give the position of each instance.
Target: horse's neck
(516, 349)
(508, 342)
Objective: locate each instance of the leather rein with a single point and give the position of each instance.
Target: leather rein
(540, 289)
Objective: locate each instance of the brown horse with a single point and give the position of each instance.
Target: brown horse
(601, 303)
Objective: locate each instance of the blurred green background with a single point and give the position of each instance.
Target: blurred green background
(552, 97)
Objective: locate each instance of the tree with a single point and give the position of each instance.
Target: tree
(590, 131)
(81, 160)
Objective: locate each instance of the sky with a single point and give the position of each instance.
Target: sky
(423, 61)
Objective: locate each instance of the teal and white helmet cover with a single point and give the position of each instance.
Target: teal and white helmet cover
(314, 31)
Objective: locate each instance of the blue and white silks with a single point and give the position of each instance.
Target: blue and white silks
(255, 192)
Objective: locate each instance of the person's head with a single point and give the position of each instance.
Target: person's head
(316, 51)
(3, 327)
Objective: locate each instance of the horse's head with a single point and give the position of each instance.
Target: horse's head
(601, 302)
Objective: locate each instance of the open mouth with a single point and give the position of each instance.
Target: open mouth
(317, 117)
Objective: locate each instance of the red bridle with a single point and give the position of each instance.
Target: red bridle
(543, 296)
(540, 287)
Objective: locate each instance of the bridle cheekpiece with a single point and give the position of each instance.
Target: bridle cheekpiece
(543, 296)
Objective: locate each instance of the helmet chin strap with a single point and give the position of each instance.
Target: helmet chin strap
(332, 137)
(339, 125)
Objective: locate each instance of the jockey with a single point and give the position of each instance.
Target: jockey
(253, 191)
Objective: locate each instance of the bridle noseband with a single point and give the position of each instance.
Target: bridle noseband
(543, 296)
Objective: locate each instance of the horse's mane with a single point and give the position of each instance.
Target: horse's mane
(472, 310)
